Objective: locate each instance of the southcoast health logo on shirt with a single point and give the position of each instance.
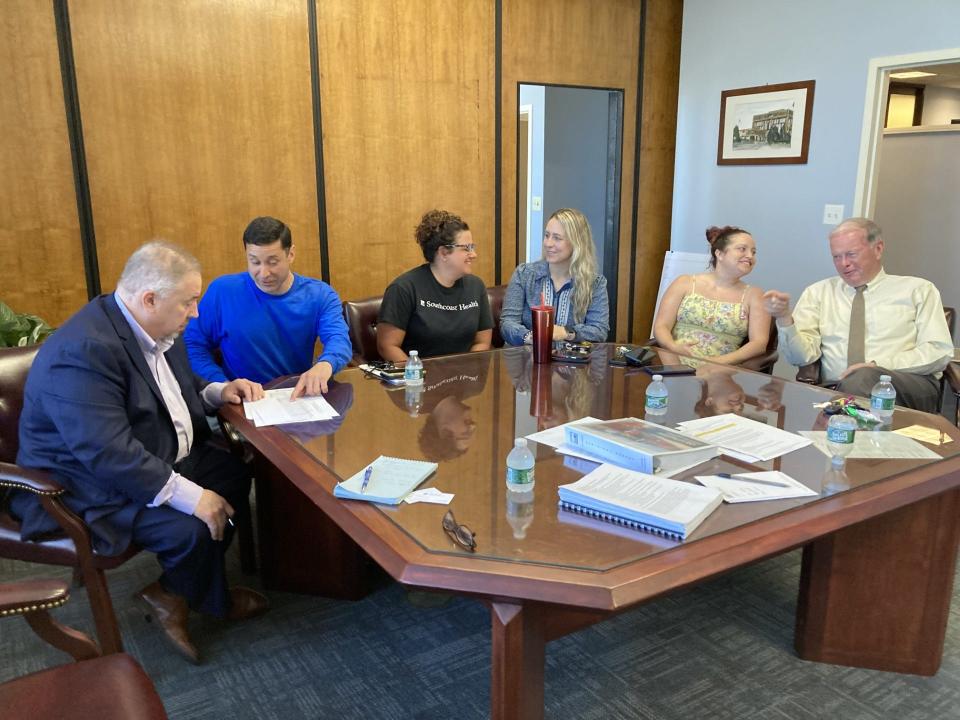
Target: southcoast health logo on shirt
(452, 308)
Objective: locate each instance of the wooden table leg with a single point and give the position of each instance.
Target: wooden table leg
(877, 594)
(301, 549)
(517, 662)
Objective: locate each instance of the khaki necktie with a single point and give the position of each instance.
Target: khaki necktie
(858, 330)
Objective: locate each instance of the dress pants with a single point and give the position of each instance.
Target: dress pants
(918, 392)
(193, 563)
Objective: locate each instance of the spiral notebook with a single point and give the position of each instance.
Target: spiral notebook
(391, 480)
(670, 508)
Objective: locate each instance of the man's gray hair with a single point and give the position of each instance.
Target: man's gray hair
(157, 265)
(870, 229)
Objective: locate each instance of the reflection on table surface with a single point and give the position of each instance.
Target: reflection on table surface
(471, 408)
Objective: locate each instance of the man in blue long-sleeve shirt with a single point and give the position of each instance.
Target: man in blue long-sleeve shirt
(265, 322)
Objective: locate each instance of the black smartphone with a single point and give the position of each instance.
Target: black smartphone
(669, 370)
(570, 357)
(640, 356)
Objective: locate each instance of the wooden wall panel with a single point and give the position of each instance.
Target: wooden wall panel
(197, 117)
(658, 139)
(571, 42)
(39, 229)
(407, 95)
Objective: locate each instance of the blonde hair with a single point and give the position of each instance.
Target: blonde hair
(583, 262)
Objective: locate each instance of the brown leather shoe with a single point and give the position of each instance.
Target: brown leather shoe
(170, 612)
(246, 603)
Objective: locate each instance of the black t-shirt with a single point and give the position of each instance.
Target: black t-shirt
(438, 320)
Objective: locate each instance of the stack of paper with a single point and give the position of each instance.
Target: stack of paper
(276, 408)
(743, 438)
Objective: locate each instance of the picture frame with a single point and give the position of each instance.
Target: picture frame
(766, 125)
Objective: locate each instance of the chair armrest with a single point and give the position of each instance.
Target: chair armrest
(952, 373)
(762, 363)
(26, 596)
(809, 374)
(35, 481)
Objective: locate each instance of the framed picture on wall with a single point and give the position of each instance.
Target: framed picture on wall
(766, 125)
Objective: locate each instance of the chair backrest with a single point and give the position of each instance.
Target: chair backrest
(361, 317)
(14, 365)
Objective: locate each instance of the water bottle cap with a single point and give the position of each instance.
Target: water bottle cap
(413, 353)
(884, 378)
(520, 442)
(657, 378)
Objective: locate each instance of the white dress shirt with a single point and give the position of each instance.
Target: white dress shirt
(178, 492)
(905, 326)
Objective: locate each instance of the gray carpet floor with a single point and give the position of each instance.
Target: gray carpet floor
(722, 650)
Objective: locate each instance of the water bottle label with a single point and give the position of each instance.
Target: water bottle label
(656, 402)
(516, 476)
(843, 436)
(879, 403)
(410, 373)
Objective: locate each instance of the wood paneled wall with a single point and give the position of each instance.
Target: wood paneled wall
(39, 229)
(571, 42)
(199, 115)
(658, 140)
(407, 97)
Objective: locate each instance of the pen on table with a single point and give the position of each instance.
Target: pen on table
(230, 520)
(366, 478)
(758, 481)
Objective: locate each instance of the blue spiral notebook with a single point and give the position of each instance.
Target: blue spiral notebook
(391, 480)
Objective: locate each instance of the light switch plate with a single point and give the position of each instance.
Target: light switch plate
(832, 214)
(537, 203)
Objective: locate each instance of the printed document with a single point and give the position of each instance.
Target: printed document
(877, 444)
(742, 437)
(276, 408)
(750, 487)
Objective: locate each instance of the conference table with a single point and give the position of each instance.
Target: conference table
(879, 539)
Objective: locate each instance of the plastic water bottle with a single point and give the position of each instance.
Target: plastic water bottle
(413, 398)
(656, 402)
(882, 398)
(840, 433)
(520, 512)
(520, 462)
(413, 370)
(835, 479)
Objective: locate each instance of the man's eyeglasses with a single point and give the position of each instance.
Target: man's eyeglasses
(469, 248)
(460, 534)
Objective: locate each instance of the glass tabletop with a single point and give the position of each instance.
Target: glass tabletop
(471, 407)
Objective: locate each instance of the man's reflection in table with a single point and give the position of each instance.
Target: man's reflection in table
(450, 426)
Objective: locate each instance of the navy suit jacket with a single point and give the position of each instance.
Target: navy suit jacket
(93, 416)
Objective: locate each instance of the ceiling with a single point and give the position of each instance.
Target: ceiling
(947, 75)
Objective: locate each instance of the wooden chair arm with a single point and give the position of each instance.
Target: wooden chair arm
(952, 373)
(26, 596)
(35, 481)
(809, 374)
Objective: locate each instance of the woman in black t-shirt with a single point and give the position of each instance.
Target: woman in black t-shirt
(440, 307)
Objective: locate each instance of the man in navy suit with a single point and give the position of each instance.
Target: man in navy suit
(114, 412)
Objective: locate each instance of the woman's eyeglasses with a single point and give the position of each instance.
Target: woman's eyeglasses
(460, 534)
(469, 248)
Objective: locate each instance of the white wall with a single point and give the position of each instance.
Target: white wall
(940, 105)
(743, 43)
(917, 198)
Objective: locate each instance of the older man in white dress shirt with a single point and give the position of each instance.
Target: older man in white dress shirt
(865, 323)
